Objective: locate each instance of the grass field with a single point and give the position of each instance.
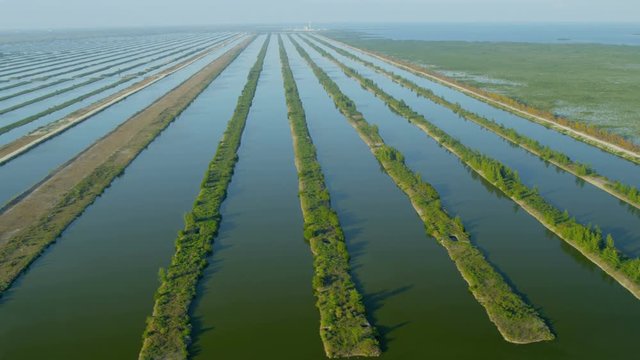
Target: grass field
(595, 83)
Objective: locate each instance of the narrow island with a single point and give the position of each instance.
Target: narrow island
(344, 328)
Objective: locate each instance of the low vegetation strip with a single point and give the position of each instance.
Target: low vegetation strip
(585, 238)
(40, 135)
(33, 222)
(624, 192)
(517, 321)
(613, 143)
(344, 328)
(167, 335)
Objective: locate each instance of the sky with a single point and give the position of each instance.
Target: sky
(55, 14)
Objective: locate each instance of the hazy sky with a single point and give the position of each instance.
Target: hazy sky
(21, 14)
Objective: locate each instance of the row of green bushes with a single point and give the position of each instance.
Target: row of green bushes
(167, 335)
(344, 328)
(626, 192)
(516, 320)
(630, 192)
(585, 237)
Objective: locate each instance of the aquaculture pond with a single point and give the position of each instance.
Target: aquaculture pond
(89, 294)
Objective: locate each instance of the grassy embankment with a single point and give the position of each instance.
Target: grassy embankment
(624, 192)
(517, 321)
(586, 91)
(38, 217)
(344, 328)
(57, 127)
(168, 331)
(84, 96)
(587, 239)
